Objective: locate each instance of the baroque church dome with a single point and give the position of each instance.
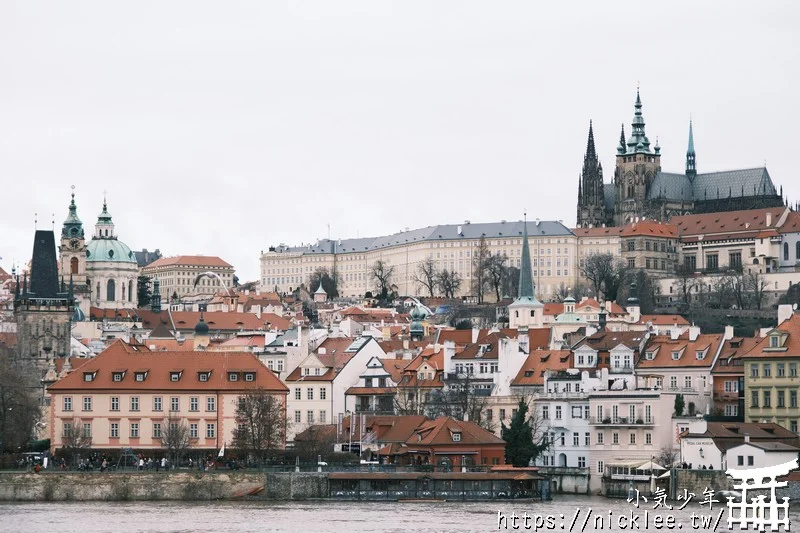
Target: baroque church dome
(104, 246)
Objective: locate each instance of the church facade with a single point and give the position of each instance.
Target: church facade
(640, 189)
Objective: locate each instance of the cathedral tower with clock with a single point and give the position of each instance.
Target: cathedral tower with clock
(72, 249)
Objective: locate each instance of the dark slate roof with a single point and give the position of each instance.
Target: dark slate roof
(609, 196)
(747, 182)
(145, 257)
(44, 266)
(671, 186)
(491, 230)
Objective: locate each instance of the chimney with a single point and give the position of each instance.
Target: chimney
(784, 312)
(475, 334)
(674, 334)
(405, 344)
(769, 218)
(694, 331)
(728, 333)
(523, 339)
(747, 437)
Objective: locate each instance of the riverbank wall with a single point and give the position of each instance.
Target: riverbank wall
(181, 486)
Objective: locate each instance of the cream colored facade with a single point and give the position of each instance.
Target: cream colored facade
(177, 275)
(553, 257)
(119, 419)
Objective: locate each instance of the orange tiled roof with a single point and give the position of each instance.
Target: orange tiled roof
(159, 366)
(663, 320)
(732, 351)
(440, 431)
(730, 224)
(169, 345)
(216, 320)
(193, 260)
(789, 342)
(538, 361)
(611, 231)
(650, 228)
(603, 341)
(663, 346)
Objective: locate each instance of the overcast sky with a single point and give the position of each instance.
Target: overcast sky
(222, 128)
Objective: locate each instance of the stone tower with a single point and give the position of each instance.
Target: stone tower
(591, 198)
(43, 309)
(637, 166)
(72, 255)
(691, 164)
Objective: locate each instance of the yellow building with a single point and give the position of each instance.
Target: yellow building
(771, 377)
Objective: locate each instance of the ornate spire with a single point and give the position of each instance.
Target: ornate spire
(591, 197)
(526, 285)
(591, 153)
(621, 146)
(638, 143)
(73, 227)
(691, 165)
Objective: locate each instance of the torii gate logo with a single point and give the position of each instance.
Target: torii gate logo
(759, 513)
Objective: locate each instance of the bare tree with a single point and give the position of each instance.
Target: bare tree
(561, 292)
(511, 282)
(330, 281)
(316, 442)
(449, 282)
(19, 408)
(496, 273)
(460, 398)
(755, 284)
(76, 438)
(685, 282)
(480, 257)
(381, 274)
(261, 424)
(667, 457)
(597, 268)
(175, 437)
(427, 275)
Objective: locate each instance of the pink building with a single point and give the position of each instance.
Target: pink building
(125, 396)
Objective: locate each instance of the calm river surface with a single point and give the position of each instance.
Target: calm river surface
(313, 517)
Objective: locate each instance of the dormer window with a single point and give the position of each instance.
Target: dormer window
(700, 354)
(456, 436)
(233, 376)
(204, 376)
(249, 376)
(774, 341)
(528, 373)
(174, 376)
(140, 376)
(676, 355)
(117, 376)
(88, 376)
(306, 371)
(316, 371)
(649, 356)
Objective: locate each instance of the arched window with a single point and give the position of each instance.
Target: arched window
(110, 291)
(786, 251)
(73, 265)
(130, 290)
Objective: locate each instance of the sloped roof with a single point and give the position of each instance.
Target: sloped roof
(193, 260)
(663, 320)
(728, 224)
(606, 340)
(662, 347)
(712, 185)
(216, 320)
(790, 347)
(533, 369)
(440, 431)
(159, 366)
(732, 350)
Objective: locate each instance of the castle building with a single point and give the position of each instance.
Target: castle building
(640, 188)
(43, 308)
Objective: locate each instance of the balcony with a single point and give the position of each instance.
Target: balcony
(727, 397)
(621, 421)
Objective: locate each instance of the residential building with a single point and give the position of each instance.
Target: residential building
(178, 276)
(771, 376)
(375, 391)
(723, 445)
(681, 365)
(319, 384)
(728, 378)
(127, 396)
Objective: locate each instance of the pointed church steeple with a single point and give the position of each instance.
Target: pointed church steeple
(621, 145)
(526, 285)
(591, 195)
(591, 153)
(72, 227)
(691, 165)
(104, 229)
(638, 142)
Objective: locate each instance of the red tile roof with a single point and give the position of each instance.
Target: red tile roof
(725, 225)
(663, 320)
(532, 371)
(440, 431)
(650, 228)
(611, 231)
(663, 346)
(159, 366)
(216, 320)
(789, 342)
(193, 260)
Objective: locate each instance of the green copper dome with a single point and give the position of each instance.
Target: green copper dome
(109, 250)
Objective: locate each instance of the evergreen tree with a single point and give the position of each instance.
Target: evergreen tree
(679, 405)
(520, 448)
(143, 291)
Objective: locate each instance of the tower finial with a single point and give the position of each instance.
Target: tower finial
(36, 221)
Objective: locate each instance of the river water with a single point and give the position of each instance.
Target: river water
(340, 517)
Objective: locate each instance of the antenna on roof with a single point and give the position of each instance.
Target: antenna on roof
(35, 220)
(53, 221)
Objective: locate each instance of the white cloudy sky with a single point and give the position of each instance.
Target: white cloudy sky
(222, 128)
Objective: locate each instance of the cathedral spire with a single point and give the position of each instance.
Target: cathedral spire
(591, 197)
(621, 146)
(691, 165)
(591, 153)
(526, 286)
(72, 227)
(638, 143)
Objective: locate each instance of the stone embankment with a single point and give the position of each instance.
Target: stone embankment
(185, 486)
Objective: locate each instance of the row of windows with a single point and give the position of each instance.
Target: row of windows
(174, 403)
(766, 397)
(780, 368)
(134, 430)
(648, 438)
(174, 376)
(323, 417)
(323, 393)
